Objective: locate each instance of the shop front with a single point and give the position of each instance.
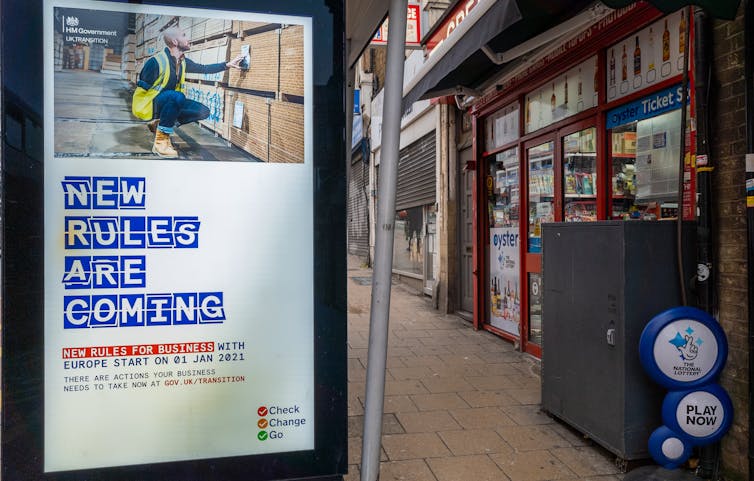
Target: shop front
(590, 130)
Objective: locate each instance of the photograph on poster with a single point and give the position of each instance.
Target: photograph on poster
(139, 85)
(178, 295)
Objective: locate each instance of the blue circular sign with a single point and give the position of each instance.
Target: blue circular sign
(668, 449)
(702, 415)
(682, 348)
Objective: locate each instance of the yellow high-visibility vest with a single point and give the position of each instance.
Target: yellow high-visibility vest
(142, 100)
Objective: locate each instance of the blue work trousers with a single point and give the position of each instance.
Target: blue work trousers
(172, 107)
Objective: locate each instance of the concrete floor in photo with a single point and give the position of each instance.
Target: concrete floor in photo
(93, 119)
(460, 405)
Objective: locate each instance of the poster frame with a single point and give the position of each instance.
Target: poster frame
(23, 259)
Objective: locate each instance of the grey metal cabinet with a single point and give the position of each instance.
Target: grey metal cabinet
(603, 281)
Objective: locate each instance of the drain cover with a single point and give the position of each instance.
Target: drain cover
(655, 473)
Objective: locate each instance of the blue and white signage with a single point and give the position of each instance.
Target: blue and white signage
(684, 349)
(701, 415)
(650, 106)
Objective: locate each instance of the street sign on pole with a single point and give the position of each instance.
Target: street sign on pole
(413, 28)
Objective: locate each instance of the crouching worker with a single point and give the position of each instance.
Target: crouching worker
(159, 96)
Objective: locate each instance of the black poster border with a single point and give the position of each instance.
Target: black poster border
(23, 260)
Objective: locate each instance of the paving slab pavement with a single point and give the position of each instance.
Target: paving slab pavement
(460, 405)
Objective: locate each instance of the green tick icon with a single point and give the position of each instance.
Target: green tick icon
(262, 436)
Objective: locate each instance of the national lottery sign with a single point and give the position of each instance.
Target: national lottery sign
(684, 350)
(178, 293)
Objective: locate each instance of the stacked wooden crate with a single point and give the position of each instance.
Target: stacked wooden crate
(128, 58)
(58, 55)
(265, 102)
(149, 38)
(210, 44)
(260, 109)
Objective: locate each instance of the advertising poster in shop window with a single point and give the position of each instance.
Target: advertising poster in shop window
(505, 303)
(176, 285)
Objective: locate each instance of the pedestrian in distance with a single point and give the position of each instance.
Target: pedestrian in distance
(159, 96)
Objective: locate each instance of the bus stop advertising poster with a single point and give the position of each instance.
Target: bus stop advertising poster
(182, 326)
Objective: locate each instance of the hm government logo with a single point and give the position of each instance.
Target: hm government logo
(72, 21)
(686, 345)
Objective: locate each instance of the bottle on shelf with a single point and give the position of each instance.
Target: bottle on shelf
(651, 65)
(624, 65)
(637, 58)
(552, 101)
(565, 92)
(666, 43)
(612, 67)
(682, 33)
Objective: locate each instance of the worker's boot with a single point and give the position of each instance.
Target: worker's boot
(152, 126)
(163, 147)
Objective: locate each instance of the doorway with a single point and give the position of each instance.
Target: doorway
(466, 234)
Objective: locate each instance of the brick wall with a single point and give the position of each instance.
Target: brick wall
(728, 146)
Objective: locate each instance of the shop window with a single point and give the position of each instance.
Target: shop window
(580, 176)
(501, 127)
(644, 160)
(504, 199)
(535, 308)
(408, 250)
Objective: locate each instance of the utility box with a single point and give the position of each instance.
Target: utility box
(603, 282)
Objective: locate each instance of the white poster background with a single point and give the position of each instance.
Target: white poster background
(505, 308)
(255, 246)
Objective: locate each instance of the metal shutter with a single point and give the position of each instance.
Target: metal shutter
(416, 174)
(358, 213)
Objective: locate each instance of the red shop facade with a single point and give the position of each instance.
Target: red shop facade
(590, 131)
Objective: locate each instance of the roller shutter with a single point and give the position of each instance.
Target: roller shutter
(416, 174)
(358, 210)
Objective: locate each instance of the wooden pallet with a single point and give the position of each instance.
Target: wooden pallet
(292, 60)
(286, 132)
(252, 133)
(262, 74)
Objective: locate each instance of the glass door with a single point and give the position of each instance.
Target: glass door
(540, 162)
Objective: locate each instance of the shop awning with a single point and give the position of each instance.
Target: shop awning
(476, 48)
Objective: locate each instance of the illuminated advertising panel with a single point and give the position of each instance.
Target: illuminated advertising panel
(180, 303)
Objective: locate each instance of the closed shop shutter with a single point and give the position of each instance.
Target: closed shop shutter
(416, 174)
(358, 210)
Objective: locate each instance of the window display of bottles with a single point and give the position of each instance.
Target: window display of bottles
(564, 96)
(541, 191)
(637, 58)
(580, 176)
(504, 199)
(648, 56)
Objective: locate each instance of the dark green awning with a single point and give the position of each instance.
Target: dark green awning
(725, 9)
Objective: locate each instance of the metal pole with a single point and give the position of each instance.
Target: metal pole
(383, 262)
